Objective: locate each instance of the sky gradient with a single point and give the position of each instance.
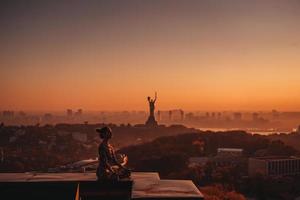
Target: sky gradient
(110, 55)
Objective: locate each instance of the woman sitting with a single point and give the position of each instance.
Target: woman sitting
(109, 168)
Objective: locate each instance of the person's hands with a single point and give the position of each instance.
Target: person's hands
(110, 169)
(124, 159)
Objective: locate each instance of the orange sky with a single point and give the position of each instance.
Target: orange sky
(108, 55)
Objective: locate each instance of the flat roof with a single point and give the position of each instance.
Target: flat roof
(165, 189)
(230, 149)
(277, 158)
(198, 159)
(48, 177)
(146, 185)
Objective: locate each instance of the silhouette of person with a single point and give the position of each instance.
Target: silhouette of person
(109, 168)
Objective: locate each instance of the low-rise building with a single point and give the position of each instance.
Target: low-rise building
(198, 161)
(274, 166)
(80, 137)
(63, 133)
(229, 152)
(225, 156)
(12, 139)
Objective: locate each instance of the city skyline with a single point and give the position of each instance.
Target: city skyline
(111, 55)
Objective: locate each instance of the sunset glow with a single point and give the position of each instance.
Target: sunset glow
(110, 55)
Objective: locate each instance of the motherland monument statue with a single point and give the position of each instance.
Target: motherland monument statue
(151, 119)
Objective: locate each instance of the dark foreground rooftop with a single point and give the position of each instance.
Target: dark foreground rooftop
(84, 185)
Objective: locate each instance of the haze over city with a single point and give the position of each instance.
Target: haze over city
(111, 55)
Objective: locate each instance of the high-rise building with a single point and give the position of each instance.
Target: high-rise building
(237, 116)
(207, 115)
(79, 112)
(69, 112)
(181, 115)
(8, 114)
(170, 115)
(159, 115)
(213, 114)
(47, 117)
(255, 116)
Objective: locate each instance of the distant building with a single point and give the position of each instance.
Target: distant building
(69, 112)
(8, 114)
(213, 114)
(229, 152)
(237, 116)
(225, 156)
(159, 115)
(52, 142)
(22, 114)
(170, 115)
(2, 154)
(198, 161)
(63, 133)
(20, 132)
(275, 114)
(207, 115)
(12, 139)
(274, 166)
(189, 116)
(81, 137)
(228, 156)
(79, 112)
(181, 115)
(255, 116)
(48, 116)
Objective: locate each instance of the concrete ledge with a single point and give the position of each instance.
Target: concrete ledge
(142, 186)
(112, 190)
(165, 189)
(61, 190)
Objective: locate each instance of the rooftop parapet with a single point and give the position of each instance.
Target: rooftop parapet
(84, 185)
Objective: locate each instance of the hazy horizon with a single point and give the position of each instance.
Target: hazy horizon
(110, 55)
(146, 110)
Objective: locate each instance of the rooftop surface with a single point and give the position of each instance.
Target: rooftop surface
(230, 149)
(277, 158)
(146, 185)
